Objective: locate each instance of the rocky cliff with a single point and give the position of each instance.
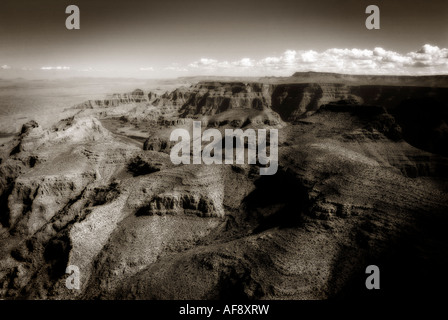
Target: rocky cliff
(239, 104)
(116, 99)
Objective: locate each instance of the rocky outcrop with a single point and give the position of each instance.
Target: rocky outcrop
(136, 96)
(158, 144)
(175, 203)
(292, 101)
(210, 98)
(28, 126)
(259, 103)
(295, 101)
(178, 97)
(71, 130)
(240, 104)
(35, 200)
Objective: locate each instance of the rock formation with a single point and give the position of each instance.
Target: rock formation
(362, 179)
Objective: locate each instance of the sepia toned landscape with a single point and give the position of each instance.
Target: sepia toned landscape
(362, 180)
(217, 157)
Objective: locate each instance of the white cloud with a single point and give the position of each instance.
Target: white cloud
(5, 67)
(430, 56)
(245, 62)
(429, 49)
(289, 57)
(270, 61)
(147, 69)
(56, 68)
(428, 59)
(309, 56)
(203, 62)
(381, 55)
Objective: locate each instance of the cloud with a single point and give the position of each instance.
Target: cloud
(309, 56)
(428, 59)
(289, 57)
(204, 62)
(147, 69)
(55, 68)
(380, 55)
(428, 49)
(430, 56)
(270, 61)
(349, 54)
(286, 61)
(245, 62)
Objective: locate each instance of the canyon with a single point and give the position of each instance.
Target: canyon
(362, 179)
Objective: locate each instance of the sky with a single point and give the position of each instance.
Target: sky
(171, 38)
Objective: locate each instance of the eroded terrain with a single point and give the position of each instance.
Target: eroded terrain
(362, 179)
